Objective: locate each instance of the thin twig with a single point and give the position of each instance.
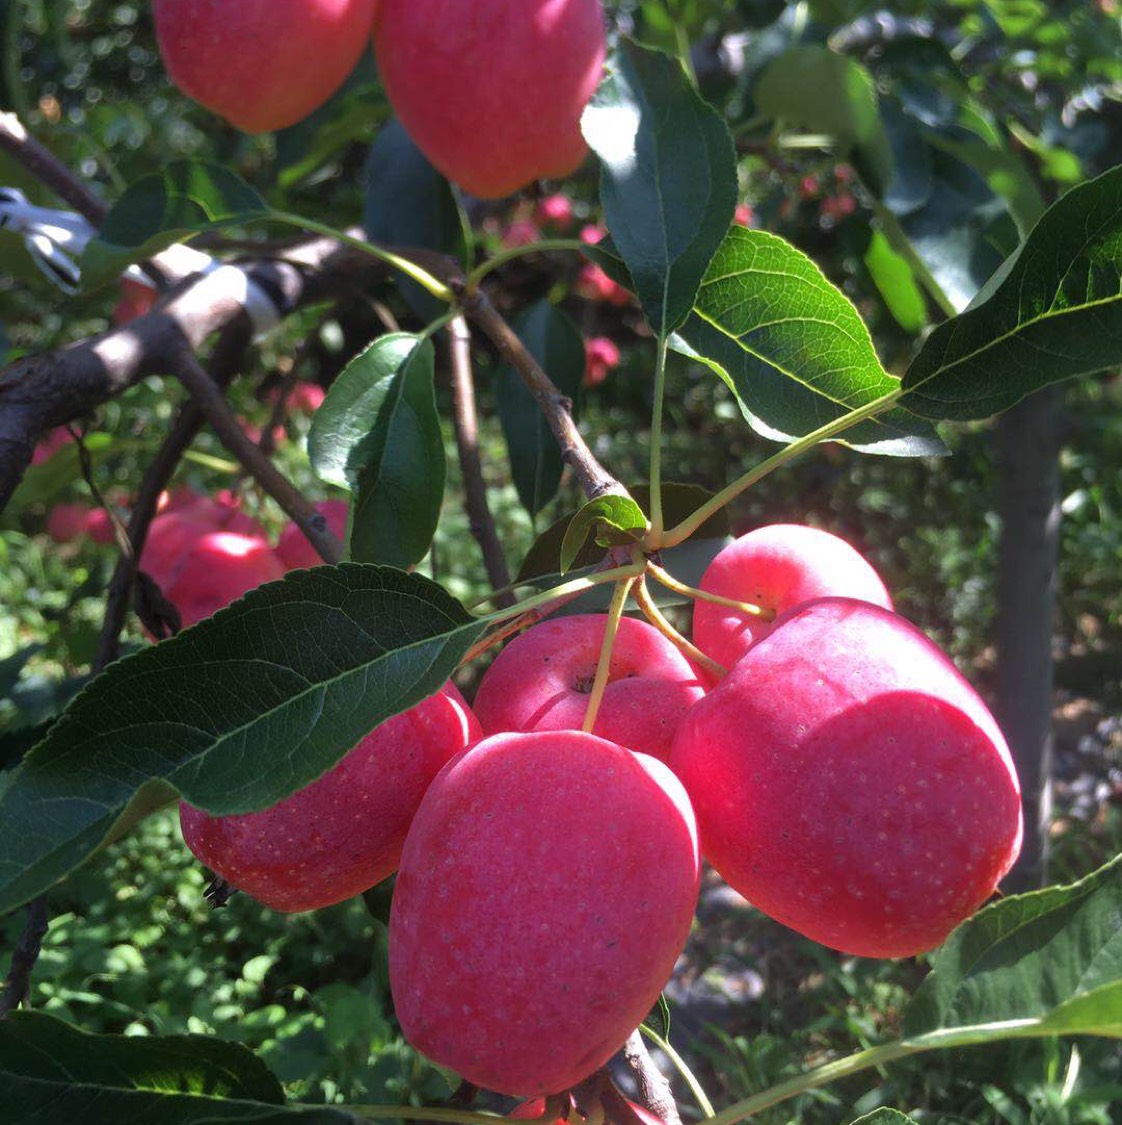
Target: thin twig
(654, 1087)
(224, 362)
(213, 403)
(466, 426)
(17, 984)
(594, 479)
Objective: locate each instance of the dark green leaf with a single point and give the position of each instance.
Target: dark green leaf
(11, 668)
(792, 348)
(409, 203)
(37, 1046)
(659, 1019)
(400, 483)
(234, 713)
(668, 177)
(186, 198)
(616, 520)
(1044, 963)
(1052, 312)
(896, 283)
(818, 89)
(535, 458)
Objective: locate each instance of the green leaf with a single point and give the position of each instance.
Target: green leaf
(400, 483)
(234, 714)
(617, 520)
(1053, 311)
(668, 177)
(818, 89)
(1044, 963)
(885, 1117)
(184, 199)
(896, 283)
(43, 482)
(659, 1019)
(409, 203)
(535, 458)
(37, 1046)
(793, 349)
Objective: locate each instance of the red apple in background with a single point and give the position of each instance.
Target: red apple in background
(342, 834)
(776, 567)
(294, 550)
(546, 888)
(50, 445)
(492, 91)
(261, 64)
(850, 783)
(137, 298)
(542, 679)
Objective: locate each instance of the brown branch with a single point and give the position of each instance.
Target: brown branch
(594, 479)
(466, 426)
(213, 404)
(654, 1087)
(49, 170)
(17, 984)
(224, 363)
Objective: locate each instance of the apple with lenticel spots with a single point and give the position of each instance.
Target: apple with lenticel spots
(850, 783)
(776, 567)
(546, 888)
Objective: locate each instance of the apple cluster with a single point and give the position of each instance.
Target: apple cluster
(450, 70)
(842, 776)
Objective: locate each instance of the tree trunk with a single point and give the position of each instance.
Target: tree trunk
(1028, 442)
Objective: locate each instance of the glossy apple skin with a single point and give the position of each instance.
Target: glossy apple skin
(850, 783)
(492, 91)
(545, 891)
(342, 834)
(261, 64)
(293, 548)
(541, 681)
(777, 567)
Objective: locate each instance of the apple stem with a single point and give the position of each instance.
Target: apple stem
(655, 616)
(665, 578)
(604, 664)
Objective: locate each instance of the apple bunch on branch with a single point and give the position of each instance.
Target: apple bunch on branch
(820, 752)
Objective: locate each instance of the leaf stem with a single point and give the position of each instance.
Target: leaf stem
(665, 578)
(656, 439)
(682, 1068)
(411, 270)
(604, 664)
(511, 253)
(655, 616)
(575, 586)
(832, 429)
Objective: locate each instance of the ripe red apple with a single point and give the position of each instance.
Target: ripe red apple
(261, 64)
(492, 91)
(294, 550)
(776, 567)
(343, 833)
(850, 783)
(216, 568)
(542, 679)
(545, 891)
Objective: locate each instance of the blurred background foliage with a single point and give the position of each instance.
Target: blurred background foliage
(132, 945)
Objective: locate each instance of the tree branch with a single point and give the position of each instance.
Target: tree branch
(594, 479)
(17, 984)
(654, 1087)
(466, 425)
(213, 404)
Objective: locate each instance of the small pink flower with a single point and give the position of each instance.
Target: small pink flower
(555, 210)
(521, 233)
(601, 355)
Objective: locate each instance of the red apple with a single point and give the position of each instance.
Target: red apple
(776, 567)
(294, 550)
(137, 298)
(541, 681)
(173, 532)
(850, 783)
(492, 91)
(343, 833)
(545, 891)
(261, 64)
